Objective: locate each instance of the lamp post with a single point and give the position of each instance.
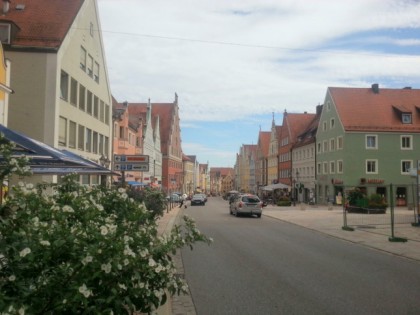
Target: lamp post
(105, 162)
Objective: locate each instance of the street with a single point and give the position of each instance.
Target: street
(266, 266)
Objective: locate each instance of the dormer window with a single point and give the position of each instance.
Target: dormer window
(5, 33)
(406, 118)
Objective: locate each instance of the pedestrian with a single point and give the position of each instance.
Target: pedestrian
(181, 201)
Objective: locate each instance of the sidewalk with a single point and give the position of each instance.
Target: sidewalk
(330, 222)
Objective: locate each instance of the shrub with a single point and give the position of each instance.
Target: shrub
(84, 250)
(354, 196)
(376, 201)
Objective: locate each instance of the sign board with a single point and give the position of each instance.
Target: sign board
(143, 167)
(122, 158)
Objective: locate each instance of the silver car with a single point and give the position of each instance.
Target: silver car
(246, 204)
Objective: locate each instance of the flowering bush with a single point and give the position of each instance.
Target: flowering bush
(85, 250)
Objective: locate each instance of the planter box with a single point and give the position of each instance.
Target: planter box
(355, 209)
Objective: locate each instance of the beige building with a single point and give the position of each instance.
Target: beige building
(62, 95)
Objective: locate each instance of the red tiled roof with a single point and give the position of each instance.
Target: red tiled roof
(42, 23)
(360, 109)
(264, 142)
(297, 123)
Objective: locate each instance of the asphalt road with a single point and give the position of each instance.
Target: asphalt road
(267, 266)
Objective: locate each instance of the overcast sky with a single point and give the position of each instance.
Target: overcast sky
(235, 63)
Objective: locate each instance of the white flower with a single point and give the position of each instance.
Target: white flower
(87, 259)
(152, 263)
(100, 207)
(85, 291)
(21, 311)
(67, 208)
(104, 230)
(45, 243)
(29, 186)
(126, 262)
(121, 190)
(24, 252)
(12, 278)
(106, 267)
(122, 286)
(143, 253)
(128, 251)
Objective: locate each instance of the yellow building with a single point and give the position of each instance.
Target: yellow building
(5, 90)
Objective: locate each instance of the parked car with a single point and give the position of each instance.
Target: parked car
(246, 204)
(198, 199)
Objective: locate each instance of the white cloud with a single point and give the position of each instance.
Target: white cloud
(229, 60)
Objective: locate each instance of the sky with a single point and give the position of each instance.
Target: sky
(236, 65)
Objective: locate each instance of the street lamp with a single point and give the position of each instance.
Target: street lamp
(104, 161)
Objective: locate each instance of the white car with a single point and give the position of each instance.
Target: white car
(246, 204)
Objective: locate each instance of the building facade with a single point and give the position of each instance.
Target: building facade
(60, 77)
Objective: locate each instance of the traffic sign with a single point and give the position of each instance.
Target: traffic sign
(122, 158)
(143, 167)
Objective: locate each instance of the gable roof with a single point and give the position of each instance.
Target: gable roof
(297, 123)
(363, 109)
(41, 23)
(264, 142)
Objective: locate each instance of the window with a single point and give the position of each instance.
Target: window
(371, 166)
(96, 72)
(81, 138)
(102, 111)
(107, 114)
(406, 142)
(101, 144)
(325, 149)
(406, 118)
(328, 105)
(88, 140)
(64, 86)
(325, 170)
(62, 136)
(91, 29)
(73, 92)
(324, 126)
(90, 66)
(82, 97)
(89, 102)
(340, 166)
(332, 123)
(332, 167)
(85, 179)
(96, 107)
(339, 143)
(332, 144)
(5, 33)
(95, 142)
(121, 132)
(72, 134)
(82, 58)
(406, 166)
(371, 142)
(106, 145)
(319, 147)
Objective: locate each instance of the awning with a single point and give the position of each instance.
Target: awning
(275, 186)
(44, 159)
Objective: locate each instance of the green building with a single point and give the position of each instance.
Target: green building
(368, 138)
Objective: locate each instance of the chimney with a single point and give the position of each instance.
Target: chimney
(6, 6)
(318, 109)
(375, 88)
(125, 104)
